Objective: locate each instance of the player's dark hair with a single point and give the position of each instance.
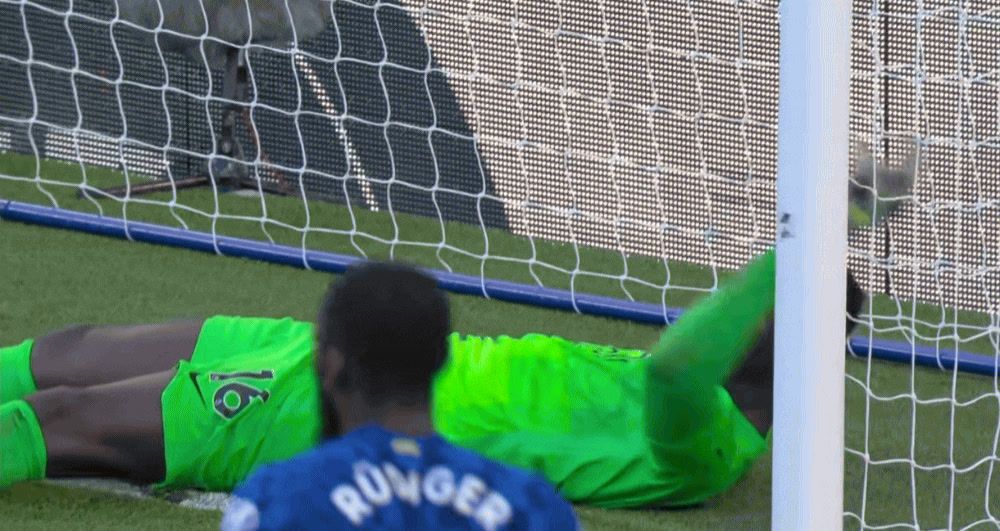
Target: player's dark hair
(390, 322)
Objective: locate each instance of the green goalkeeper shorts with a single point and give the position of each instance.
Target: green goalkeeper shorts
(247, 397)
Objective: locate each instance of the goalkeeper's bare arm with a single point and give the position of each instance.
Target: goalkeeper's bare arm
(202, 403)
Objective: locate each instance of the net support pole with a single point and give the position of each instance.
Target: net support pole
(813, 151)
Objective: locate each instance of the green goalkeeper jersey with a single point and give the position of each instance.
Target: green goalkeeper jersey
(576, 413)
(573, 412)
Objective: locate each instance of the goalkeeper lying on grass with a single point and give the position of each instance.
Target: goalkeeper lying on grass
(202, 404)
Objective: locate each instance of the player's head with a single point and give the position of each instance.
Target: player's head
(752, 384)
(381, 336)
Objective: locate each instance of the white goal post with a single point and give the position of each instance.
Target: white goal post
(811, 241)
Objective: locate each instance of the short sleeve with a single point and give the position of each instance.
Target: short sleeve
(253, 488)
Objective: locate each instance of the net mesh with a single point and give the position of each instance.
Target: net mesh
(644, 128)
(623, 148)
(922, 447)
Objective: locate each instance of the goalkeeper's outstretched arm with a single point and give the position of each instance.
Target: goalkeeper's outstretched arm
(692, 424)
(709, 389)
(699, 352)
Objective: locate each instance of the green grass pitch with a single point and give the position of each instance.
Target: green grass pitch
(51, 278)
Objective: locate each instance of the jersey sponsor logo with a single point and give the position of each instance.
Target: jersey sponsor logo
(407, 447)
(378, 486)
(611, 353)
(235, 395)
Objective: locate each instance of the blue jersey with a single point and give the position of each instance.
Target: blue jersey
(372, 478)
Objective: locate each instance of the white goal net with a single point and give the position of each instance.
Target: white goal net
(646, 129)
(922, 447)
(622, 148)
